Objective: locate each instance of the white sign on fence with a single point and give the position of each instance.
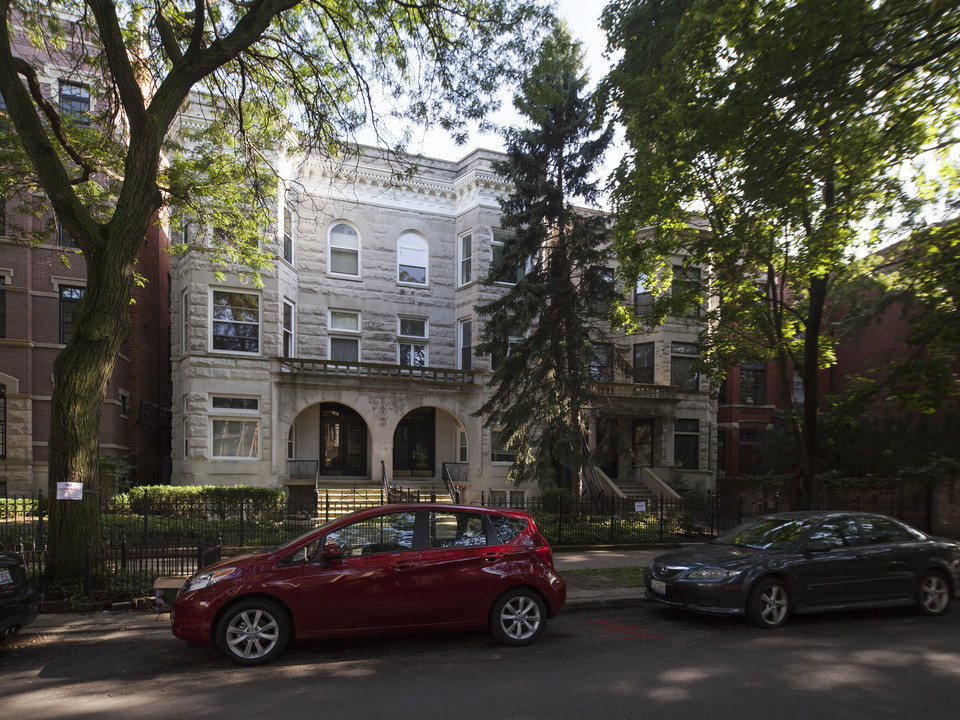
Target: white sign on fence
(69, 491)
(640, 506)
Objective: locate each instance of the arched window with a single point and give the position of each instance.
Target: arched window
(344, 250)
(413, 257)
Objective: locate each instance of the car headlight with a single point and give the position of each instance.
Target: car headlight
(203, 579)
(712, 574)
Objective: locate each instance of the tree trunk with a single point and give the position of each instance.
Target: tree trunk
(81, 374)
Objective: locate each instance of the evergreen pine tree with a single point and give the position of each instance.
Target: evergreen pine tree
(541, 334)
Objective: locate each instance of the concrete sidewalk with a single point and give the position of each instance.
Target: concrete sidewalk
(577, 600)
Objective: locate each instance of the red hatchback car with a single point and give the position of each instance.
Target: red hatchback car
(395, 568)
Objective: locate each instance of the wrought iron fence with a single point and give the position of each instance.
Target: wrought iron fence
(624, 521)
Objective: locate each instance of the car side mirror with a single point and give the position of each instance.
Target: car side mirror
(330, 552)
(818, 546)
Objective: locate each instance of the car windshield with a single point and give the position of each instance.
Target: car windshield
(768, 533)
(311, 531)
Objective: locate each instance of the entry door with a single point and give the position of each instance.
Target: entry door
(343, 441)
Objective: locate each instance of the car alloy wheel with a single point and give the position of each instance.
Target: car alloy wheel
(518, 617)
(769, 604)
(933, 594)
(253, 632)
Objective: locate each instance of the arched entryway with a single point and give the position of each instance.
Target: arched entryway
(342, 441)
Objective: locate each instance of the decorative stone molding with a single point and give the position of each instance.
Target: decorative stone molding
(383, 405)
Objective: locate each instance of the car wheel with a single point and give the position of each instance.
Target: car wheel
(769, 604)
(518, 617)
(253, 632)
(933, 594)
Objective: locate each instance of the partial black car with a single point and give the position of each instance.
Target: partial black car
(803, 562)
(19, 599)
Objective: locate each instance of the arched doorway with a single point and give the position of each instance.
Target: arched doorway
(415, 444)
(343, 441)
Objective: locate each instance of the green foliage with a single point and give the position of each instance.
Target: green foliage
(787, 129)
(17, 507)
(548, 319)
(173, 500)
(188, 106)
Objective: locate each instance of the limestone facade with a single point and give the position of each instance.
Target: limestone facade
(353, 361)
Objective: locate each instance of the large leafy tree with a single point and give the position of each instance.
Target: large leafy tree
(541, 331)
(309, 71)
(787, 128)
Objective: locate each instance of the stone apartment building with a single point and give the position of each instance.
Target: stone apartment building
(354, 362)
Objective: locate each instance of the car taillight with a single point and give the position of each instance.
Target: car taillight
(545, 554)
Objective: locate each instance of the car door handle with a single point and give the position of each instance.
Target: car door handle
(492, 557)
(403, 565)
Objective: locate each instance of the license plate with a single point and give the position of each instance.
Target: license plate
(658, 586)
(5, 577)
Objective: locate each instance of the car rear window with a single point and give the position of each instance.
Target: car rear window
(507, 528)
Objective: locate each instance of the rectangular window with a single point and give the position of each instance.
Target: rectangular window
(509, 274)
(686, 285)
(498, 450)
(289, 349)
(236, 432)
(75, 102)
(465, 344)
(750, 452)
(643, 442)
(798, 393)
(236, 322)
(124, 404)
(753, 381)
(643, 363)
(70, 297)
(601, 364)
(501, 353)
(410, 352)
(463, 447)
(64, 238)
(344, 348)
(642, 297)
(292, 443)
(603, 281)
(683, 360)
(236, 438)
(185, 323)
(465, 257)
(288, 233)
(686, 443)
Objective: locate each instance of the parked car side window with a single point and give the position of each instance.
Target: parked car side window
(392, 532)
(880, 531)
(841, 532)
(507, 528)
(456, 529)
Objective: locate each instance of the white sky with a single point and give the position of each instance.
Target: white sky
(583, 18)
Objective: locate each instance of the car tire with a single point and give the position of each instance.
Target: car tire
(769, 604)
(253, 632)
(933, 594)
(518, 617)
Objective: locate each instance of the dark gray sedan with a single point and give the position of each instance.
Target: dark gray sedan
(802, 562)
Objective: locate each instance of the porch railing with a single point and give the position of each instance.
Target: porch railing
(378, 371)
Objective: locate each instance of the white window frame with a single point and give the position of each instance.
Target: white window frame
(185, 322)
(248, 418)
(213, 320)
(331, 247)
(497, 448)
(462, 325)
(499, 239)
(343, 333)
(292, 442)
(287, 234)
(413, 246)
(288, 332)
(465, 259)
(413, 339)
